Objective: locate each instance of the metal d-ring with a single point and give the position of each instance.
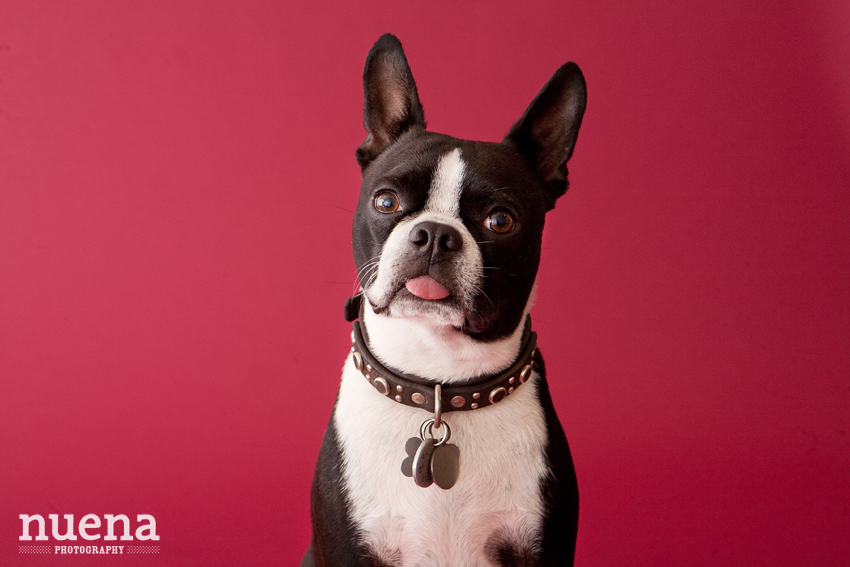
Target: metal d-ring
(438, 405)
(428, 427)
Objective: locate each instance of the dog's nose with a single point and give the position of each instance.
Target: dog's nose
(435, 239)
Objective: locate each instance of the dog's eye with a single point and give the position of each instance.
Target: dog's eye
(387, 202)
(499, 222)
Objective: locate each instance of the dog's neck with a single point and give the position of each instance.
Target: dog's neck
(423, 346)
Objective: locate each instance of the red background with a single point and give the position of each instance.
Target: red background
(176, 191)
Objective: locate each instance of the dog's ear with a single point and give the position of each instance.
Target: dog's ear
(546, 134)
(392, 104)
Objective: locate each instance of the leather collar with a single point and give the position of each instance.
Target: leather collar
(418, 392)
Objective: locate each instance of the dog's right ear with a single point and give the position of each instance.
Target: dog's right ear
(392, 104)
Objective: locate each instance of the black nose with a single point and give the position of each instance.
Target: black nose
(435, 239)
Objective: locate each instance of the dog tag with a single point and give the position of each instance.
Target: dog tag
(422, 464)
(410, 448)
(445, 465)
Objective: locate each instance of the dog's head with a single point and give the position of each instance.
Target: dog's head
(449, 229)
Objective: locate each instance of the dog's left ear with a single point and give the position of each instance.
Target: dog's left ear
(546, 134)
(392, 104)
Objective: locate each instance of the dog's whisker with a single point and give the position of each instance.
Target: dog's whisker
(373, 262)
(487, 297)
(367, 272)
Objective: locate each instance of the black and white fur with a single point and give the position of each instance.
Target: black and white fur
(516, 500)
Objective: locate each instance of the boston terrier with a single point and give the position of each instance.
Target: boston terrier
(443, 448)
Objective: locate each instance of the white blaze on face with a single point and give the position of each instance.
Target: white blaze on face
(444, 195)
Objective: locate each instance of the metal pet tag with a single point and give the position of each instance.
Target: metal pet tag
(429, 460)
(445, 465)
(422, 464)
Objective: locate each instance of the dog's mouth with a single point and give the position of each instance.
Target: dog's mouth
(424, 296)
(426, 287)
(420, 294)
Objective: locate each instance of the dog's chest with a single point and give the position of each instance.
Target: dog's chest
(496, 502)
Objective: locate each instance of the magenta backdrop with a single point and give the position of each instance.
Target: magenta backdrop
(176, 191)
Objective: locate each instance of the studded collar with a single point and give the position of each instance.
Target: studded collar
(417, 392)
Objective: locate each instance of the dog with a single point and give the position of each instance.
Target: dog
(443, 448)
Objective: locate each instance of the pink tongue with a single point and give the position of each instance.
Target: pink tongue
(426, 288)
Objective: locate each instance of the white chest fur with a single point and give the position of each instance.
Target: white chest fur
(497, 495)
